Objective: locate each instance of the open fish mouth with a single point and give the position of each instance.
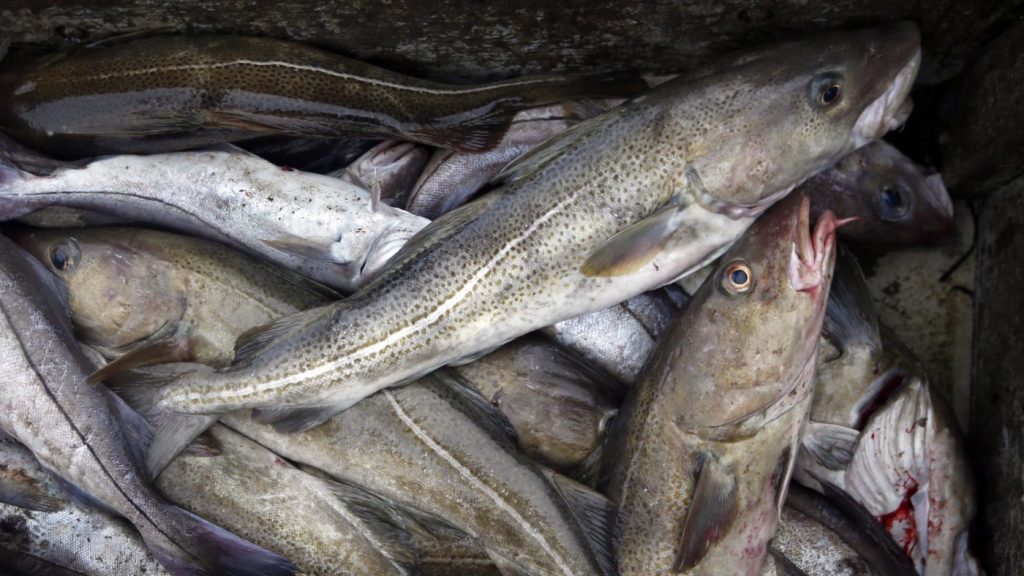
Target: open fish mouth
(888, 111)
(813, 249)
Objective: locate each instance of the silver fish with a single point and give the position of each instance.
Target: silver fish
(702, 451)
(314, 224)
(48, 534)
(388, 170)
(85, 435)
(615, 206)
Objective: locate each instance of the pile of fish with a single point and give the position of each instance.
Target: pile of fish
(265, 310)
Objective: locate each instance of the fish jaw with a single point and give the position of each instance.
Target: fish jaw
(813, 252)
(888, 111)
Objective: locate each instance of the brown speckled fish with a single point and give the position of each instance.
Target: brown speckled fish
(175, 92)
(702, 451)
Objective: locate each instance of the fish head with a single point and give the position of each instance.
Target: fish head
(758, 316)
(896, 201)
(794, 109)
(392, 166)
(120, 294)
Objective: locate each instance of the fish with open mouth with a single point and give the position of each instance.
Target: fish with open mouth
(388, 170)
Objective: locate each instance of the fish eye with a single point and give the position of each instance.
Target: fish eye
(737, 278)
(827, 89)
(65, 256)
(894, 203)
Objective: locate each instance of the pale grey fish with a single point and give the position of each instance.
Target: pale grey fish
(559, 406)
(619, 339)
(143, 296)
(451, 178)
(388, 170)
(438, 451)
(700, 456)
(897, 202)
(879, 436)
(316, 225)
(64, 538)
(90, 439)
(617, 205)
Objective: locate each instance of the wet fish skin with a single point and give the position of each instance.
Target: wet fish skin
(701, 453)
(620, 338)
(897, 202)
(432, 453)
(71, 539)
(314, 224)
(217, 89)
(388, 170)
(559, 406)
(85, 436)
(815, 549)
(557, 240)
(131, 288)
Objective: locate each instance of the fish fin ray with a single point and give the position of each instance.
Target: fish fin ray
(588, 471)
(254, 122)
(712, 511)
(850, 316)
(162, 351)
(477, 134)
(595, 515)
(634, 246)
(205, 445)
(481, 410)
(830, 445)
(138, 434)
(25, 492)
(507, 566)
(256, 340)
(291, 420)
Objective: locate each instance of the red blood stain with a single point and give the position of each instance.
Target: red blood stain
(900, 523)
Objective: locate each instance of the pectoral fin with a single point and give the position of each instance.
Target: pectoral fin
(711, 512)
(163, 351)
(21, 490)
(632, 248)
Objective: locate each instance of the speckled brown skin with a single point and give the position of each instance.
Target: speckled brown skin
(729, 386)
(131, 286)
(447, 557)
(429, 452)
(175, 92)
(722, 146)
(559, 406)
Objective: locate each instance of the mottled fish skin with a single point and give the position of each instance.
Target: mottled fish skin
(132, 287)
(701, 453)
(83, 435)
(451, 557)
(897, 202)
(226, 88)
(559, 406)
(74, 538)
(619, 339)
(451, 179)
(314, 224)
(257, 495)
(388, 170)
(815, 549)
(429, 454)
(514, 260)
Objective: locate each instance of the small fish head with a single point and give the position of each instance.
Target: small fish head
(120, 295)
(759, 315)
(896, 201)
(794, 109)
(392, 165)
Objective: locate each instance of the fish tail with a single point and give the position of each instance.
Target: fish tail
(194, 547)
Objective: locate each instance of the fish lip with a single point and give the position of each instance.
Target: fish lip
(937, 195)
(812, 250)
(888, 110)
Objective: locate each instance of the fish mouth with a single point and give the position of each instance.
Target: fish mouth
(889, 110)
(813, 250)
(937, 196)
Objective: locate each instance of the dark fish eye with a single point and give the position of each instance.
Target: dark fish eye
(65, 256)
(826, 89)
(892, 197)
(737, 278)
(894, 203)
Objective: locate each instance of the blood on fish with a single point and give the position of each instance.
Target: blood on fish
(902, 519)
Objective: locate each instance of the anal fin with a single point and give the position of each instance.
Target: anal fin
(594, 513)
(293, 420)
(712, 510)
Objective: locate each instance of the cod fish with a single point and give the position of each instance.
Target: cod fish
(881, 439)
(559, 406)
(144, 296)
(88, 437)
(701, 454)
(388, 170)
(44, 533)
(897, 202)
(215, 89)
(451, 178)
(441, 454)
(619, 339)
(328, 230)
(617, 205)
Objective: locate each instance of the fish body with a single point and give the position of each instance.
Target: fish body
(388, 170)
(87, 436)
(896, 201)
(175, 92)
(436, 450)
(702, 451)
(133, 289)
(617, 205)
(317, 225)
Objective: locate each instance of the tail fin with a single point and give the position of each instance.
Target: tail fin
(200, 548)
